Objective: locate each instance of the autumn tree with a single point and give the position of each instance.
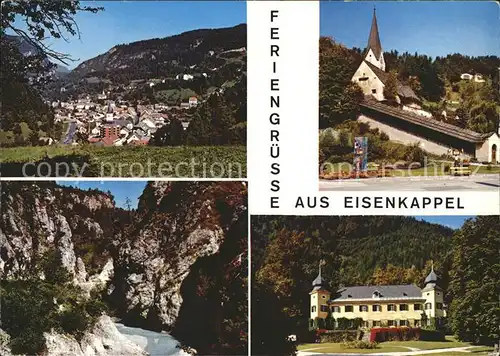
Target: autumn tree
(474, 285)
(339, 97)
(391, 87)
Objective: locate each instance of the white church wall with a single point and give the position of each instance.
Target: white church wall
(372, 83)
(404, 137)
(370, 57)
(484, 151)
(417, 111)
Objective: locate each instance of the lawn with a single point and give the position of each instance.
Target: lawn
(146, 161)
(397, 346)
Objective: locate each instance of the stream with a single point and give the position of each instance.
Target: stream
(154, 343)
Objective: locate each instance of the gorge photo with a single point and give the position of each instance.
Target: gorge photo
(123, 268)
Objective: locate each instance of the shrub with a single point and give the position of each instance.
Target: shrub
(359, 344)
(394, 334)
(432, 335)
(339, 335)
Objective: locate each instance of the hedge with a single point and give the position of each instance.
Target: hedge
(405, 334)
(339, 335)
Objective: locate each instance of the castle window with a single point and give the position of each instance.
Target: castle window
(349, 309)
(336, 309)
(374, 91)
(403, 307)
(439, 305)
(324, 308)
(417, 307)
(391, 307)
(313, 309)
(363, 308)
(377, 308)
(428, 306)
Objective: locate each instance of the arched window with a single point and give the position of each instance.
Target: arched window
(494, 157)
(313, 309)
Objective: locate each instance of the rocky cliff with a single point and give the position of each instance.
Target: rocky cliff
(147, 265)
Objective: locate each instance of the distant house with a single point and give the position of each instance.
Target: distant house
(478, 78)
(193, 101)
(185, 106)
(466, 76)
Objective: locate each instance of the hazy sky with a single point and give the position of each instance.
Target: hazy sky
(133, 189)
(129, 21)
(428, 27)
(120, 189)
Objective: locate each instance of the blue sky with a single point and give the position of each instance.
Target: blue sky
(435, 28)
(452, 221)
(129, 21)
(120, 189)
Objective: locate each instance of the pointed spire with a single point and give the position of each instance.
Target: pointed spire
(432, 276)
(374, 39)
(318, 282)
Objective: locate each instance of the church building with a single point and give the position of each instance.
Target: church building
(372, 77)
(407, 122)
(380, 306)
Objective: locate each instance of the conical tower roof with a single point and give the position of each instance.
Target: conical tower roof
(432, 277)
(318, 281)
(374, 38)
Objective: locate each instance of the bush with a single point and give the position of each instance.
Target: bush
(394, 334)
(339, 335)
(359, 344)
(432, 335)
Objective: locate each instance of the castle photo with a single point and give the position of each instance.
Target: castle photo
(381, 305)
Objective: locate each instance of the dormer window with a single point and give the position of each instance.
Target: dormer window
(349, 296)
(376, 294)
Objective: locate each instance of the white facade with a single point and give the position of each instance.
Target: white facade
(377, 62)
(489, 150)
(368, 81)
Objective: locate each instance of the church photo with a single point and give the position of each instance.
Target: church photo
(419, 89)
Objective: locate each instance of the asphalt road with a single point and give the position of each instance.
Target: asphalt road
(484, 182)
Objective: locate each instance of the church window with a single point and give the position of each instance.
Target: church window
(428, 306)
(374, 91)
(377, 308)
(363, 79)
(403, 307)
(439, 305)
(324, 308)
(363, 308)
(313, 309)
(349, 308)
(417, 307)
(391, 307)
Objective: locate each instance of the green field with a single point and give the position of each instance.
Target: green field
(147, 161)
(400, 346)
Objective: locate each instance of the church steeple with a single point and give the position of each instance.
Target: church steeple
(432, 277)
(375, 54)
(318, 282)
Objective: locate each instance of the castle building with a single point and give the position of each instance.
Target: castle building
(390, 305)
(372, 77)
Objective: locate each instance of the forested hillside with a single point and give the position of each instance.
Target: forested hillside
(436, 80)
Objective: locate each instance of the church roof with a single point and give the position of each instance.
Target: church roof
(318, 281)
(374, 39)
(408, 291)
(404, 91)
(433, 124)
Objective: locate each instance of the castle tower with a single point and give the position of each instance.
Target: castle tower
(374, 52)
(319, 297)
(433, 295)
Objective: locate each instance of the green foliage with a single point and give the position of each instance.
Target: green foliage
(391, 87)
(339, 98)
(103, 160)
(360, 344)
(475, 312)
